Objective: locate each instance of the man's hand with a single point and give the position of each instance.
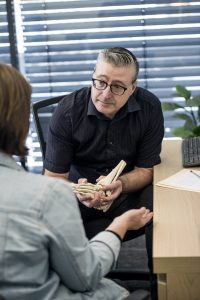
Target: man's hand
(107, 195)
(112, 191)
(90, 200)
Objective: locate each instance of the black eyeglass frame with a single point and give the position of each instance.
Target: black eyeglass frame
(106, 85)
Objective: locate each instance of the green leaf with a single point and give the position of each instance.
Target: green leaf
(182, 91)
(196, 131)
(198, 113)
(189, 125)
(183, 116)
(182, 132)
(194, 101)
(189, 121)
(170, 106)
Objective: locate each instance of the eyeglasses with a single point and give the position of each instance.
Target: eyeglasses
(115, 88)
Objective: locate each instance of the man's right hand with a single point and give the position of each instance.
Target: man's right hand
(90, 200)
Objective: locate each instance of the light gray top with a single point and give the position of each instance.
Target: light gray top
(44, 253)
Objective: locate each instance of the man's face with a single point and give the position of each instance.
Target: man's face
(105, 101)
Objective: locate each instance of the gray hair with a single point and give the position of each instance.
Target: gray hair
(119, 56)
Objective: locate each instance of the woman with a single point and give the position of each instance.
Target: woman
(44, 253)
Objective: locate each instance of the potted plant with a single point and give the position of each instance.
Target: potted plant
(189, 112)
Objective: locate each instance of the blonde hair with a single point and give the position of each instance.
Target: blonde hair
(15, 94)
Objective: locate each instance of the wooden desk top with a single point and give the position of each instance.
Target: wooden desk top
(176, 235)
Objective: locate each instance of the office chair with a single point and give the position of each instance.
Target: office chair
(42, 112)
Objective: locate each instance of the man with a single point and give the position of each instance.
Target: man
(94, 128)
(44, 253)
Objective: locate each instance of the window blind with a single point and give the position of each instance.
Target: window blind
(4, 36)
(61, 40)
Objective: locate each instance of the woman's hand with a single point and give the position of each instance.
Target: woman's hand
(132, 219)
(136, 218)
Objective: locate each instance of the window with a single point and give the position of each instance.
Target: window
(4, 36)
(61, 40)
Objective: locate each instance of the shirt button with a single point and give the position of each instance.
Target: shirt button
(110, 143)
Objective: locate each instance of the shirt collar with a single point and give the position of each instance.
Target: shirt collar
(9, 162)
(133, 104)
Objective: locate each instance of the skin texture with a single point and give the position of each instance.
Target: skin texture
(105, 101)
(133, 219)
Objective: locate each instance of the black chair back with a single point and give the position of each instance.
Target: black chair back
(42, 113)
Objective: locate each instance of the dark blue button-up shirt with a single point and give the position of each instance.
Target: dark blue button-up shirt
(83, 139)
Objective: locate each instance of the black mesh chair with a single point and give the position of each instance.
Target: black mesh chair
(42, 112)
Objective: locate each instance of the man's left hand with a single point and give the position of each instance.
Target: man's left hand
(112, 191)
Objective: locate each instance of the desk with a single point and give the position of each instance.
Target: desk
(176, 233)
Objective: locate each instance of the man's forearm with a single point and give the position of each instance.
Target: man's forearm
(56, 175)
(136, 179)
